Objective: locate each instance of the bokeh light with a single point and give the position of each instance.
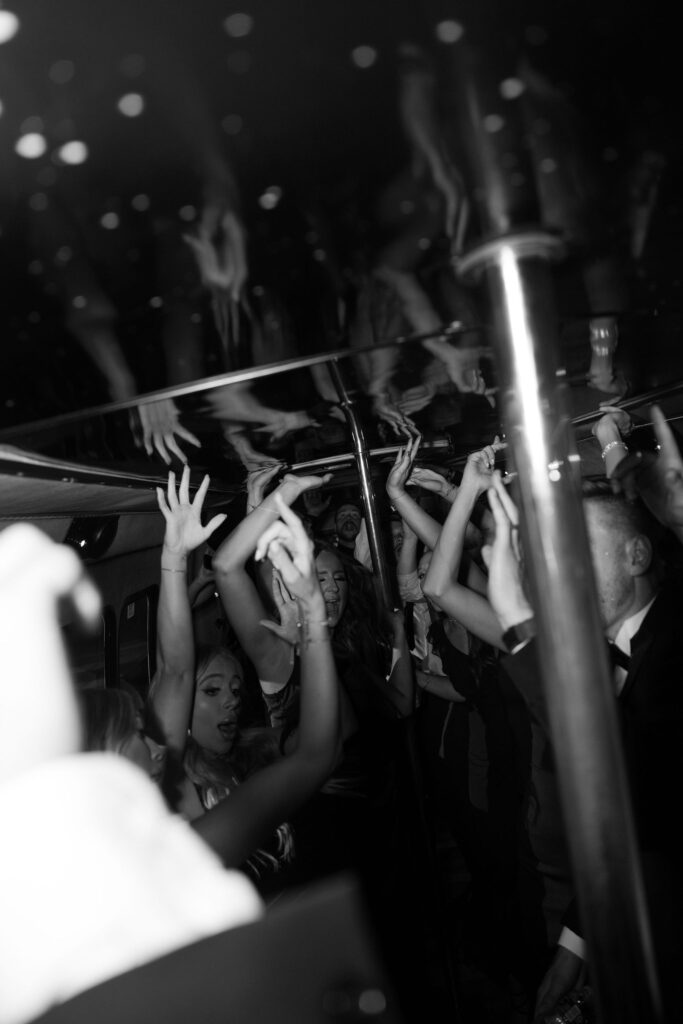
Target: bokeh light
(38, 202)
(364, 56)
(131, 105)
(31, 124)
(110, 221)
(74, 152)
(511, 88)
(493, 123)
(449, 31)
(270, 197)
(62, 71)
(31, 146)
(238, 25)
(9, 26)
(140, 202)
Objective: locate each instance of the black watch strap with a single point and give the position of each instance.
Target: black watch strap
(518, 635)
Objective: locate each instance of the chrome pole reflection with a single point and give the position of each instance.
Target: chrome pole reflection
(514, 261)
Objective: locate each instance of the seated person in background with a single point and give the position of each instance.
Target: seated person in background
(122, 880)
(640, 610)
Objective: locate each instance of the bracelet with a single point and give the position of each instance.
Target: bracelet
(304, 627)
(613, 444)
(164, 569)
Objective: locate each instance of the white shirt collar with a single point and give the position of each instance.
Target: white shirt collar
(630, 627)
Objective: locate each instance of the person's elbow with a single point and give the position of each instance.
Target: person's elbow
(226, 561)
(433, 589)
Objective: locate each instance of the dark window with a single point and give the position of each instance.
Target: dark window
(136, 640)
(91, 652)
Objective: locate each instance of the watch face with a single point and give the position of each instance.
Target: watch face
(519, 634)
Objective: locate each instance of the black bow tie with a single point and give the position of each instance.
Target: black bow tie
(617, 656)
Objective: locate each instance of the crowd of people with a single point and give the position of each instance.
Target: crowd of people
(216, 805)
(328, 722)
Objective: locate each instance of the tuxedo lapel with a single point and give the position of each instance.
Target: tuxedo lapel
(641, 643)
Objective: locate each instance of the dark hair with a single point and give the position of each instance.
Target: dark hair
(363, 635)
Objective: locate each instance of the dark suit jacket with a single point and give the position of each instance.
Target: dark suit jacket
(650, 708)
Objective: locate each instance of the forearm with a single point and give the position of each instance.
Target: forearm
(419, 521)
(439, 686)
(319, 718)
(240, 544)
(173, 686)
(612, 447)
(445, 563)
(407, 558)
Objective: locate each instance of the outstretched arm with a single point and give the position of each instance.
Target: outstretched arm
(172, 690)
(610, 430)
(441, 584)
(426, 528)
(235, 827)
(269, 653)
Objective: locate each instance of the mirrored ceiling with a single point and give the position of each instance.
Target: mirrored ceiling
(191, 191)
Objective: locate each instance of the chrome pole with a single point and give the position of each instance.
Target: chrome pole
(514, 260)
(379, 562)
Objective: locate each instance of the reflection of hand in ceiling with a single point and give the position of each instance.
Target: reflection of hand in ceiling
(159, 427)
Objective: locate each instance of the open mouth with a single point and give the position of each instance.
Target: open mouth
(227, 728)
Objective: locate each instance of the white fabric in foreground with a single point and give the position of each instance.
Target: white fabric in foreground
(98, 877)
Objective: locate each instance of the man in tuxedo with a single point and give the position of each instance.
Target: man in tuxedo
(640, 609)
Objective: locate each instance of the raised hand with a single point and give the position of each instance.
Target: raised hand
(657, 480)
(668, 469)
(432, 481)
(288, 626)
(290, 550)
(159, 424)
(284, 423)
(480, 466)
(393, 415)
(503, 559)
(257, 481)
(402, 468)
(613, 418)
(293, 486)
(184, 530)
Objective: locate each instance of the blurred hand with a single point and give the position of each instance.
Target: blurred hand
(159, 425)
(566, 972)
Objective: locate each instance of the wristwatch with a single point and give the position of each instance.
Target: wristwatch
(519, 635)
